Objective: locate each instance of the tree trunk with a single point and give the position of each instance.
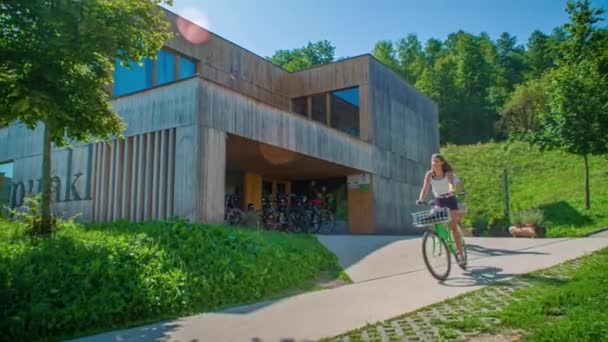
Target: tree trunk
(587, 194)
(45, 220)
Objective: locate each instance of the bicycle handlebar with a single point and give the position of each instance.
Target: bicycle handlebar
(432, 202)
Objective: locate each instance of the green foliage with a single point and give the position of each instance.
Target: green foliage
(57, 60)
(29, 214)
(58, 57)
(84, 279)
(577, 91)
(541, 54)
(550, 180)
(534, 217)
(312, 54)
(519, 114)
(575, 122)
(384, 51)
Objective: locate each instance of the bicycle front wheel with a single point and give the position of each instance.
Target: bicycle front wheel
(436, 255)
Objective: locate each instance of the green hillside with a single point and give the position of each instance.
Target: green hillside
(551, 181)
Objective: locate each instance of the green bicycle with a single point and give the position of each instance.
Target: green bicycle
(438, 241)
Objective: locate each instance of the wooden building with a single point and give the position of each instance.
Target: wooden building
(208, 117)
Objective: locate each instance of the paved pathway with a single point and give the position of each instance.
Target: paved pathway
(389, 280)
(603, 234)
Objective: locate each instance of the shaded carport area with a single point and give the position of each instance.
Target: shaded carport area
(255, 169)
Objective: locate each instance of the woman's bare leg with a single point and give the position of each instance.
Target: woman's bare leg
(454, 218)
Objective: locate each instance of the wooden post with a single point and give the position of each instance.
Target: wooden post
(328, 109)
(309, 107)
(252, 190)
(506, 191)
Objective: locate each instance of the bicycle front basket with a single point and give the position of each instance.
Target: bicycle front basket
(430, 217)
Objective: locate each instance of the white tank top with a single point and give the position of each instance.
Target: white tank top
(440, 186)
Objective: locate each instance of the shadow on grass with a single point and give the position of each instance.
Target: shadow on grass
(544, 279)
(563, 214)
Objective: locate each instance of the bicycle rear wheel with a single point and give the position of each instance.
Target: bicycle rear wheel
(436, 255)
(267, 219)
(299, 221)
(327, 222)
(234, 216)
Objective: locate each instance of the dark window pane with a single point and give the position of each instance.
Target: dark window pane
(281, 188)
(187, 67)
(6, 181)
(165, 67)
(319, 108)
(300, 105)
(266, 188)
(345, 111)
(134, 79)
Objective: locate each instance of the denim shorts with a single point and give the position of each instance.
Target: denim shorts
(447, 202)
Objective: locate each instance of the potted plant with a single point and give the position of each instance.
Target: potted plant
(527, 223)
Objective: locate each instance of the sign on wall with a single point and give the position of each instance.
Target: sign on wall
(360, 182)
(70, 180)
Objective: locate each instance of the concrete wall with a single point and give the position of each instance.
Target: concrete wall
(159, 170)
(406, 133)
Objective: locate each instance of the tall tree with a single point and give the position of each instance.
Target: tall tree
(439, 83)
(57, 59)
(578, 92)
(411, 57)
(473, 79)
(539, 57)
(432, 51)
(384, 51)
(312, 54)
(509, 68)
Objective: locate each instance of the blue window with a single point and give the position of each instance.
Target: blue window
(165, 67)
(350, 95)
(134, 79)
(187, 67)
(345, 111)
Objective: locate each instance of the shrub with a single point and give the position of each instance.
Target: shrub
(499, 226)
(84, 279)
(30, 213)
(532, 217)
(480, 225)
(516, 218)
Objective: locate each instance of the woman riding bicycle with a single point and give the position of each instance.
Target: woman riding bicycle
(442, 179)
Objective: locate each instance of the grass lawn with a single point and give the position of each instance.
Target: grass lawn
(550, 181)
(566, 302)
(570, 307)
(91, 278)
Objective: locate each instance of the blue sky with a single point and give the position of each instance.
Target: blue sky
(264, 26)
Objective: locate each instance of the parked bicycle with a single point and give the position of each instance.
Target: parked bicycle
(438, 241)
(300, 219)
(322, 219)
(232, 212)
(295, 217)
